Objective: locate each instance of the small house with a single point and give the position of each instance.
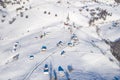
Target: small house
(60, 43)
(61, 71)
(31, 57)
(46, 69)
(43, 48)
(74, 37)
(70, 44)
(62, 53)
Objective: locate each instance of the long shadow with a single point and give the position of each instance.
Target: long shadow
(51, 71)
(55, 75)
(67, 75)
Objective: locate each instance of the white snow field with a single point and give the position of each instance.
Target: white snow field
(37, 33)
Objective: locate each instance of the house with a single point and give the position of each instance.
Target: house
(59, 44)
(74, 38)
(43, 48)
(62, 53)
(31, 57)
(70, 44)
(46, 69)
(61, 71)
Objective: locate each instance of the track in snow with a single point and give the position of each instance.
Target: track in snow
(41, 62)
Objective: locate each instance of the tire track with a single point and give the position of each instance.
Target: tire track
(40, 63)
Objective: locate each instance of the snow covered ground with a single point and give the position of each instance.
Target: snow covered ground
(24, 31)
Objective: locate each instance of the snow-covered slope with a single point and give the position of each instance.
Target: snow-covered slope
(74, 32)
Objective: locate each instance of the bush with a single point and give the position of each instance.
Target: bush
(118, 1)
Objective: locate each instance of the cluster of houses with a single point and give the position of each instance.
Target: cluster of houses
(73, 41)
(61, 71)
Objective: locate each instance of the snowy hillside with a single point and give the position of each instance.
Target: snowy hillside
(58, 39)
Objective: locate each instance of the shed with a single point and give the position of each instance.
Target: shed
(70, 44)
(62, 53)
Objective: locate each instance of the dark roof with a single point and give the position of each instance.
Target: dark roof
(60, 42)
(46, 66)
(62, 52)
(44, 47)
(60, 68)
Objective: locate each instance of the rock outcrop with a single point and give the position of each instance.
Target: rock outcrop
(115, 49)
